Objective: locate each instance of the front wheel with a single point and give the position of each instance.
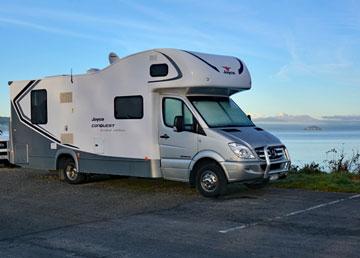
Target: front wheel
(211, 180)
(71, 175)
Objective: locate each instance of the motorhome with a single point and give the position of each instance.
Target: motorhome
(162, 113)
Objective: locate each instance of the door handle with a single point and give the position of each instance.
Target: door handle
(164, 136)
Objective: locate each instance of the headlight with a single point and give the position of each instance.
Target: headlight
(241, 151)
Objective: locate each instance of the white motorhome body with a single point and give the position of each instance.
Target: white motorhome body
(120, 120)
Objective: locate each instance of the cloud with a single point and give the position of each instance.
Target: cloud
(154, 26)
(71, 16)
(313, 62)
(175, 25)
(54, 30)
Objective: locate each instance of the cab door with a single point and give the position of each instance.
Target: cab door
(176, 148)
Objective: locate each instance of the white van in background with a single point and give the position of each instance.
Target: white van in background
(163, 113)
(4, 151)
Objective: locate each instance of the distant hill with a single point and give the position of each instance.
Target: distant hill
(306, 119)
(285, 118)
(353, 118)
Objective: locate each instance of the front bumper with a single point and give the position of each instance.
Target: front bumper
(4, 154)
(256, 169)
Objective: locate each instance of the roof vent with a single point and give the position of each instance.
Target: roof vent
(113, 57)
(93, 70)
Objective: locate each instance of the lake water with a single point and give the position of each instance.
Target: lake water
(306, 146)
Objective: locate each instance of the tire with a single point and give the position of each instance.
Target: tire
(70, 173)
(211, 180)
(257, 185)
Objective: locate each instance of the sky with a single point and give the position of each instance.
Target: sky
(303, 56)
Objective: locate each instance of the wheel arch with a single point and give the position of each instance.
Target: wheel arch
(62, 154)
(204, 157)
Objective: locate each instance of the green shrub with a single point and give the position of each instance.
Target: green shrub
(339, 162)
(343, 174)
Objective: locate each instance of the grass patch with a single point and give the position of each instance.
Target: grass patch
(321, 181)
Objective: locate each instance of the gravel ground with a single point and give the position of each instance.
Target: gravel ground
(41, 216)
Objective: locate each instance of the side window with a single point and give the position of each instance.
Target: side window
(38, 102)
(175, 107)
(128, 107)
(159, 70)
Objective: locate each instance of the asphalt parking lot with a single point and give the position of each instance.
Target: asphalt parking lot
(41, 216)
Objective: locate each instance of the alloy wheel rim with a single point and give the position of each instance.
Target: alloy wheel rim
(71, 172)
(209, 181)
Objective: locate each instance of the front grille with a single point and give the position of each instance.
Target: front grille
(274, 152)
(3, 145)
(3, 153)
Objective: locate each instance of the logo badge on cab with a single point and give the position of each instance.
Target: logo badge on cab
(227, 70)
(272, 153)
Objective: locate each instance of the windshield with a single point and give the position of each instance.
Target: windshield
(220, 112)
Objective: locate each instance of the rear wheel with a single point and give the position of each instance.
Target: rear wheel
(211, 180)
(70, 173)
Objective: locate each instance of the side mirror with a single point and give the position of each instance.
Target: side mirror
(179, 124)
(248, 116)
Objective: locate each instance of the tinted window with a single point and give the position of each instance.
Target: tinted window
(129, 107)
(158, 70)
(38, 107)
(175, 107)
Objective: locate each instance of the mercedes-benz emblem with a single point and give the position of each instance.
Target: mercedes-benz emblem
(272, 153)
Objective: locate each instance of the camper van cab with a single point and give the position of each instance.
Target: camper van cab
(162, 113)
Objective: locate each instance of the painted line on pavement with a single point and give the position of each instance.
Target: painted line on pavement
(294, 213)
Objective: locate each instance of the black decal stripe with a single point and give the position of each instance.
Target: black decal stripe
(198, 57)
(35, 125)
(28, 90)
(23, 90)
(25, 117)
(22, 112)
(241, 69)
(43, 129)
(71, 146)
(179, 73)
(20, 97)
(32, 126)
(21, 115)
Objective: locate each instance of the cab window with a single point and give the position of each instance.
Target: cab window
(175, 107)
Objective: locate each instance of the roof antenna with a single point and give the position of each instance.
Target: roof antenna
(71, 76)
